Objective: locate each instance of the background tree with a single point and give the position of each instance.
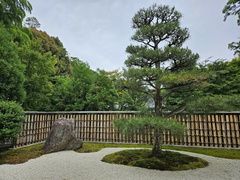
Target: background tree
(102, 95)
(222, 93)
(12, 12)
(127, 99)
(70, 92)
(82, 80)
(225, 80)
(55, 46)
(160, 66)
(233, 8)
(62, 96)
(32, 22)
(21, 36)
(40, 68)
(11, 69)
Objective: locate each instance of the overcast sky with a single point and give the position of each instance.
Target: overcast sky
(98, 31)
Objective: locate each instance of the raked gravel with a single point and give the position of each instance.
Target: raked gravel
(70, 165)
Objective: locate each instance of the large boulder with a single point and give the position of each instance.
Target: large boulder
(62, 137)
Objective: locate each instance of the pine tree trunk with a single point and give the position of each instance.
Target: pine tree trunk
(158, 141)
(158, 103)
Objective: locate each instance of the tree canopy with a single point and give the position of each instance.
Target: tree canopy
(32, 22)
(160, 72)
(222, 92)
(160, 65)
(11, 69)
(233, 8)
(12, 12)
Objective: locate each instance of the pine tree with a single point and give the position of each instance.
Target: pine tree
(160, 66)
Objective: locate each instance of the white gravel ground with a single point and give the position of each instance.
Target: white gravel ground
(69, 165)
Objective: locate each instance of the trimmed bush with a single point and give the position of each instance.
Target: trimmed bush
(11, 118)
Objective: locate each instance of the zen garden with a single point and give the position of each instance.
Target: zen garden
(159, 112)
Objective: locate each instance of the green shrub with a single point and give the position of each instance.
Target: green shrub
(11, 118)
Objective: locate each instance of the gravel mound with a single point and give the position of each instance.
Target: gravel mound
(69, 165)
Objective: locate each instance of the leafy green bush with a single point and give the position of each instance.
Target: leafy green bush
(11, 118)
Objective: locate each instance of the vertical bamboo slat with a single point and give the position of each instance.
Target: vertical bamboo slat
(205, 130)
(185, 139)
(210, 130)
(109, 132)
(218, 131)
(237, 127)
(188, 130)
(223, 130)
(85, 128)
(232, 131)
(228, 133)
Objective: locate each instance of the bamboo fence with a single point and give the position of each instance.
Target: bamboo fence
(218, 129)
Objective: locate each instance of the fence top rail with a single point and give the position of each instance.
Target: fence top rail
(81, 112)
(212, 112)
(123, 112)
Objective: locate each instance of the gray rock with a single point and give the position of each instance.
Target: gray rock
(62, 137)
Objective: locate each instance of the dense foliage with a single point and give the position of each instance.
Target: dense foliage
(11, 116)
(223, 90)
(12, 12)
(11, 69)
(37, 72)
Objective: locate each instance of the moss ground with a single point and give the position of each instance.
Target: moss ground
(16, 156)
(171, 161)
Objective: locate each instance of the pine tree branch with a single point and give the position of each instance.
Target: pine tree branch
(175, 111)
